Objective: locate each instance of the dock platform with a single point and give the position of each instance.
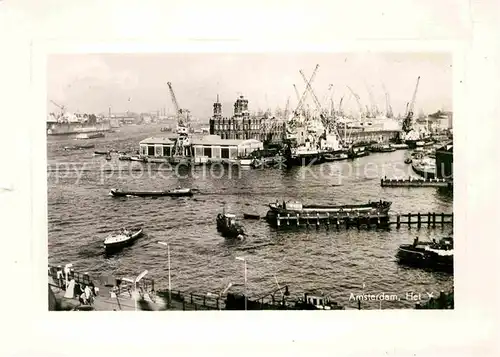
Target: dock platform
(415, 182)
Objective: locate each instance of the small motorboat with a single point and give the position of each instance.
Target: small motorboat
(228, 227)
(79, 147)
(124, 157)
(336, 157)
(137, 158)
(118, 241)
(101, 152)
(251, 216)
(178, 192)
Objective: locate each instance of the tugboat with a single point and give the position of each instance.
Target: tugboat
(228, 227)
(434, 255)
(315, 302)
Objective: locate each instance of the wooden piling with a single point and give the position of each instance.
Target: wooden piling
(288, 220)
(434, 219)
(428, 219)
(317, 220)
(191, 297)
(409, 219)
(398, 221)
(298, 220)
(278, 221)
(442, 219)
(419, 220)
(327, 220)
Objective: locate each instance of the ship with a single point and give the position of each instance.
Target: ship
(66, 123)
(425, 167)
(294, 209)
(433, 255)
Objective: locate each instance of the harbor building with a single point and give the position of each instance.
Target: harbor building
(201, 149)
(444, 162)
(240, 126)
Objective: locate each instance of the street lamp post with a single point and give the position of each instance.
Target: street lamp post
(168, 257)
(245, 263)
(135, 282)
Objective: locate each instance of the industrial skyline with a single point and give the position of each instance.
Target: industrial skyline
(138, 82)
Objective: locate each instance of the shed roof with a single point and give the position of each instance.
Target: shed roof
(199, 140)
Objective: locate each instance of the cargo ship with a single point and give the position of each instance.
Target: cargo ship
(71, 128)
(67, 123)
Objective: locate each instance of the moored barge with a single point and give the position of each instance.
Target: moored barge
(378, 212)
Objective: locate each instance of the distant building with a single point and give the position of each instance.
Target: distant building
(240, 126)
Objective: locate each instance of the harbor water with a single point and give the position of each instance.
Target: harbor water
(339, 264)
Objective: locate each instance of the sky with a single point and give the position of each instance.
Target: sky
(138, 82)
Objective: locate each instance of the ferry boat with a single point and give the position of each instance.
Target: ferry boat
(435, 255)
(295, 208)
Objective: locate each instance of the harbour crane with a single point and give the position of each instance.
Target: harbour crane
(374, 108)
(408, 121)
(182, 143)
(308, 84)
(62, 107)
(182, 122)
(388, 106)
(358, 100)
(313, 95)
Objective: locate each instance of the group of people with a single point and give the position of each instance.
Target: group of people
(86, 293)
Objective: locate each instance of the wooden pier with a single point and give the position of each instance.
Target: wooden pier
(415, 182)
(429, 219)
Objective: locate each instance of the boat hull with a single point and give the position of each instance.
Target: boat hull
(173, 193)
(117, 246)
(419, 258)
(373, 212)
(234, 231)
(423, 172)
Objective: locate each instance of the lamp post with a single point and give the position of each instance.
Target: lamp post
(139, 277)
(220, 294)
(168, 257)
(245, 263)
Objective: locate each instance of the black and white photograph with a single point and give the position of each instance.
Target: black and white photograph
(250, 181)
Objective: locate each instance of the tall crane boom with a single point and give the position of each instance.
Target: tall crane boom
(304, 95)
(374, 108)
(412, 103)
(174, 100)
(388, 106)
(357, 100)
(407, 123)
